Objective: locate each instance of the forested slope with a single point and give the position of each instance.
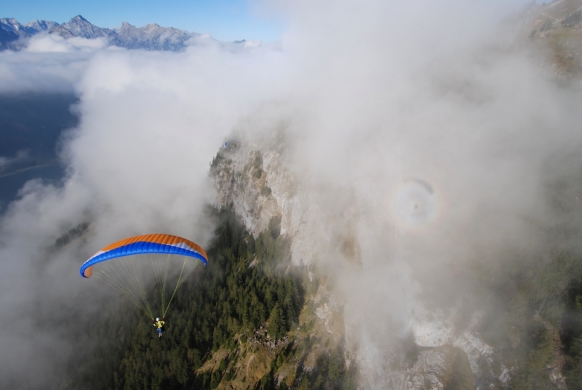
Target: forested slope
(241, 306)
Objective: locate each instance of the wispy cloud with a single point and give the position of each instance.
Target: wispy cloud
(383, 99)
(53, 43)
(7, 162)
(150, 123)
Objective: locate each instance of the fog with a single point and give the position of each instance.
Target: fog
(138, 162)
(433, 116)
(444, 125)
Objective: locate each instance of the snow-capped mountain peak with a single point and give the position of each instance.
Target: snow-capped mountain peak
(149, 37)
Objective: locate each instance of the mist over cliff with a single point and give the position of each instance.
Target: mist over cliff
(421, 157)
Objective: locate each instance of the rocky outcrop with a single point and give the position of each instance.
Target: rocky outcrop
(80, 27)
(150, 37)
(253, 178)
(444, 367)
(556, 27)
(11, 31)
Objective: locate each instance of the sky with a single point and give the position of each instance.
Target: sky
(226, 20)
(422, 121)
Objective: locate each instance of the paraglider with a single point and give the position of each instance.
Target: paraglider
(147, 269)
(159, 324)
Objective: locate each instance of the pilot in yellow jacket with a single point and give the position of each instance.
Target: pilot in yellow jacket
(159, 324)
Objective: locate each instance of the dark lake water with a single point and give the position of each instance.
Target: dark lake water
(31, 125)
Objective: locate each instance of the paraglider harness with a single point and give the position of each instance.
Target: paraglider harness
(159, 324)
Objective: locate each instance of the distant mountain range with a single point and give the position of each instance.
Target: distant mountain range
(13, 35)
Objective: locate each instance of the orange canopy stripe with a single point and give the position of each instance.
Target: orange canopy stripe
(165, 239)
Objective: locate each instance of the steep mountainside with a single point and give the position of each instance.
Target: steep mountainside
(11, 31)
(557, 28)
(246, 320)
(271, 309)
(526, 333)
(252, 178)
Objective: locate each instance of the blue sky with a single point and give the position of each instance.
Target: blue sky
(225, 20)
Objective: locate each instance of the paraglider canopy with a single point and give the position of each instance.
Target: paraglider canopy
(147, 269)
(148, 243)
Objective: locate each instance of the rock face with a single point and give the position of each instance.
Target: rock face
(79, 27)
(444, 351)
(557, 28)
(11, 25)
(11, 31)
(150, 37)
(6, 38)
(241, 180)
(440, 368)
(550, 17)
(37, 26)
(254, 179)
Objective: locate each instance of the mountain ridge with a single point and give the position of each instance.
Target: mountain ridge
(151, 37)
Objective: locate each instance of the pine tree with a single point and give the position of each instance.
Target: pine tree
(275, 322)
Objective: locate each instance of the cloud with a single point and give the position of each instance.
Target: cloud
(48, 63)
(437, 93)
(6, 163)
(53, 43)
(150, 123)
(40, 72)
(408, 106)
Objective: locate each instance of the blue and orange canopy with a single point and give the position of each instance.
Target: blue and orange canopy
(147, 243)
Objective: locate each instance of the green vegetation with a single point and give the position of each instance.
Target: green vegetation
(214, 323)
(71, 235)
(329, 373)
(535, 324)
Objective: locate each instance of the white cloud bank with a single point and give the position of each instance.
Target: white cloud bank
(386, 92)
(53, 43)
(150, 123)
